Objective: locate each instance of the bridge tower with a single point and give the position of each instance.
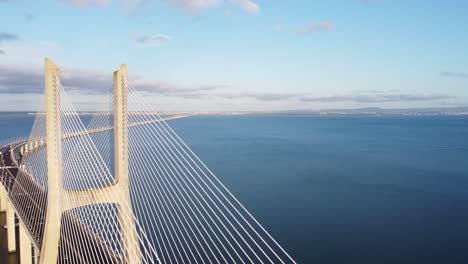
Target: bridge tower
(127, 224)
(50, 242)
(117, 192)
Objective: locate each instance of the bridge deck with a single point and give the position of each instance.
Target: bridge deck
(17, 182)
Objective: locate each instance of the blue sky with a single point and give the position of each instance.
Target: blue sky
(229, 55)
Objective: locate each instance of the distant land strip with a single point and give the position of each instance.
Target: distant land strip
(372, 111)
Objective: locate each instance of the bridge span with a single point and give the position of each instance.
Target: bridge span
(123, 189)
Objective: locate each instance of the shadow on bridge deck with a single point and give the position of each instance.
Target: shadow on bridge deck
(5, 257)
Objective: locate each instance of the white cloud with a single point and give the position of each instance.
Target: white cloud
(7, 37)
(193, 4)
(85, 3)
(463, 75)
(150, 40)
(196, 5)
(20, 80)
(375, 98)
(325, 25)
(132, 6)
(248, 6)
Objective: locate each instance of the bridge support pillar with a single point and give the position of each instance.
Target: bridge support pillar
(3, 198)
(11, 234)
(127, 223)
(25, 245)
(51, 238)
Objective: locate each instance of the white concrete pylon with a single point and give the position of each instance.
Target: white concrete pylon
(117, 192)
(11, 234)
(127, 223)
(25, 245)
(3, 198)
(50, 240)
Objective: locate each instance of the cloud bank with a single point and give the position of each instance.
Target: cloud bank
(193, 4)
(376, 98)
(7, 37)
(455, 74)
(381, 97)
(17, 80)
(186, 5)
(86, 3)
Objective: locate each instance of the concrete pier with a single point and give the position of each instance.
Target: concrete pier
(5, 257)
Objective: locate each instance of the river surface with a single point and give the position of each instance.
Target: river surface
(339, 189)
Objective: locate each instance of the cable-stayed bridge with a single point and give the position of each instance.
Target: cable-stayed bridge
(122, 187)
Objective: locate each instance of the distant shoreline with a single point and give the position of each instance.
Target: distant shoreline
(454, 111)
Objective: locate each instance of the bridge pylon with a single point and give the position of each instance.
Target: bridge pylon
(117, 192)
(50, 241)
(129, 237)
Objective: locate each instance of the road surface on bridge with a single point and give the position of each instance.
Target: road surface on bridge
(21, 184)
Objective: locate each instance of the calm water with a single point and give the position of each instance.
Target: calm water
(340, 189)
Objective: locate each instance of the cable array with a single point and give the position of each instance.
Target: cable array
(173, 210)
(92, 229)
(191, 216)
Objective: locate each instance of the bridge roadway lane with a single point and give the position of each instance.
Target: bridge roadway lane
(25, 192)
(33, 216)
